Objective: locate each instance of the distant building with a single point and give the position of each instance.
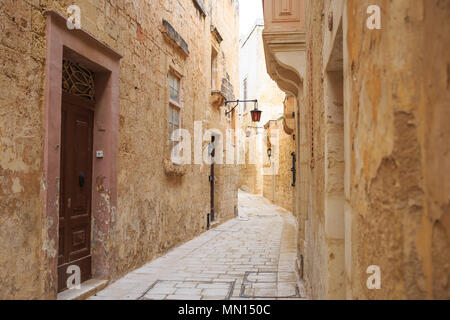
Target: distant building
(255, 83)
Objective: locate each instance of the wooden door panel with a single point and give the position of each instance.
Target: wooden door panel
(79, 241)
(76, 190)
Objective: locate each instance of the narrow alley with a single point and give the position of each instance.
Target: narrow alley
(224, 150)
(249, 257)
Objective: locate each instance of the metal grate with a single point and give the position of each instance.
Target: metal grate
(77, 80)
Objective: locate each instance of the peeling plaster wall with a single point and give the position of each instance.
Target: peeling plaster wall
(155, 211)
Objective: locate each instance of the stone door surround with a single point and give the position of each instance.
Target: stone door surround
(80, 46)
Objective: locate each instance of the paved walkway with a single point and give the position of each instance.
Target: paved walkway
(250, 257)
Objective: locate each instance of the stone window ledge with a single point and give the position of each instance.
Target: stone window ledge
(173, 169)
(217, 98)
(216, 34)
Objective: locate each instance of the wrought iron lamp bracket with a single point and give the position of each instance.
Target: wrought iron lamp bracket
(255, 101)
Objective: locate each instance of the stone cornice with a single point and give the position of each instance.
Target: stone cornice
(287, 39)
(173, 36)
(200, 6)
(285, 51)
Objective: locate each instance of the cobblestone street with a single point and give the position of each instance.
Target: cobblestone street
(250, 257)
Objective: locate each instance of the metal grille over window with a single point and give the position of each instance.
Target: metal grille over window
(77, 80)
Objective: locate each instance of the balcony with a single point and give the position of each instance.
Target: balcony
(284, 43)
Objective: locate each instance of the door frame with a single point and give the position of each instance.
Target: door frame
(80, 46)
(70, 101)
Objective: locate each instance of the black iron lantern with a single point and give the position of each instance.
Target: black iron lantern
(256, 115)
(269, 152)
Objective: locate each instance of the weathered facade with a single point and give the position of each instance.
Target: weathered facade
(156, 66)
(279, 177)
(372, 144)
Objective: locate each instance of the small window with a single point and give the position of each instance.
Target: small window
(214, 69)
(174, 106)
(174, 86)
(174, 119)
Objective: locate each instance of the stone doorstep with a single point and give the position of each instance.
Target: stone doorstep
(88, 289)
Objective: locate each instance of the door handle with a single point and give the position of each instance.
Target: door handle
(81, 179)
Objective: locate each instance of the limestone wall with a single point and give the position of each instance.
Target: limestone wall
(278, 186)
(155, 211)
(397, 97)
(375, 190)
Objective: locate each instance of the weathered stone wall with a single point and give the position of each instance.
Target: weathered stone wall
(312, 166)
(395, 99)
(250, 173)
(155, 211)
(278, 187)
(225, 18)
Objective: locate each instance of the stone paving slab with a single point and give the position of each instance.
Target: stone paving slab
(250, 257)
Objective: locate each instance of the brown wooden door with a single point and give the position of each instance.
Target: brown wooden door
(76, 189)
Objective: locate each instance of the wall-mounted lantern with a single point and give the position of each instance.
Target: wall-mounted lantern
(255, 113)
(269, 153)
